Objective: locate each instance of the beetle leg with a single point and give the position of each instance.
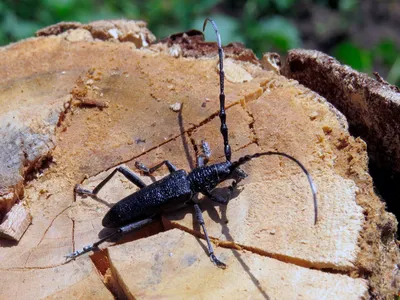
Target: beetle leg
(203, 158)
(147, 171)
(201, 161)
(217, 198)
(239, 175)
(128, 173)
(121, 230)
(200, 219)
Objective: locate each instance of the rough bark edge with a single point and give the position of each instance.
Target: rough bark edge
(120, 30)
(191, 44)
(372, 107)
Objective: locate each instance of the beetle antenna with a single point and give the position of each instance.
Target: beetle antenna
(247, 158)
(222, 114)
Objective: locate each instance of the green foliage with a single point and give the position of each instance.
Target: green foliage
(348, 5)
(170, 16)
(21, 19)
(228, 28)
(17, 27)
(386, 53)
(280, 32)
(283, 5)
(356, 57)
(394, 73)
(263, 25)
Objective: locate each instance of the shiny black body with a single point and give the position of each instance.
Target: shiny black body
(150, 200)
(169, 193)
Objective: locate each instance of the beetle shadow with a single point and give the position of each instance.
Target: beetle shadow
(98, 199)
(147, 230)
(221, 218)
(184, 140)
(210, 207)
(118, 237)
(184, 143)
(8, 243)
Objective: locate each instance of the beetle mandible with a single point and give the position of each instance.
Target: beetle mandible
(179, 187)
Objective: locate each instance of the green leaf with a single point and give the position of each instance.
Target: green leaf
(387, 51)
(253, 8)
(18, 28)
(352, 55)
(61, 8)
(227, 27)
(283, 5)
(203, 6)
(3, 38)
(130, 10)
(348, 5)
(394, 73)
(164, 31)
(3, 7)
(183, 12)
(279, 33)
(103, 13)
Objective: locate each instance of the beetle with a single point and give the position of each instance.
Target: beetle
(179, 187)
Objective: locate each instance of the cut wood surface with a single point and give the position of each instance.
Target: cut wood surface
(15, 223)
(165, 262)
(80, 100)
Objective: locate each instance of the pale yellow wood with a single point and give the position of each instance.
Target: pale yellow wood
(45, 84)
(173, 264)
(15, 223)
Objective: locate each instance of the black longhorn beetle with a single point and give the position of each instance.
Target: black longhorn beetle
(179, 187)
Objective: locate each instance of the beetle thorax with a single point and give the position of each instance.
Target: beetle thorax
(208, 177)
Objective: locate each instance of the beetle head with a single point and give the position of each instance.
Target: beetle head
(226, 171)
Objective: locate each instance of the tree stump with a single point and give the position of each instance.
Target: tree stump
(79, 100)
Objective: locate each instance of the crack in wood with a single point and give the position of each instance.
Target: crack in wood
(283, 258)
(44, 234)
(34, 268)
(51, 223)
(189, 132)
